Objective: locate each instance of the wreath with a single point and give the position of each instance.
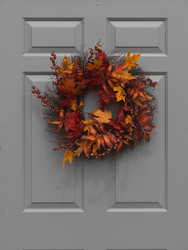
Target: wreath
(117, 78)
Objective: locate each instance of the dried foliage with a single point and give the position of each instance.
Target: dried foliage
(116, 78)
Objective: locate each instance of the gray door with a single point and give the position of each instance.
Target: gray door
(139, 200)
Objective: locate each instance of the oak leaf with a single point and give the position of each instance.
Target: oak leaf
(122, 74)
(103, 116)
(84, 146)
(68, 155)
(65, 66)
(132, 60)
(120, 95)
(95, 65)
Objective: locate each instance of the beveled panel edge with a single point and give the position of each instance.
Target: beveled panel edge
(162, 205)
(158, 53)
(58, 50)
(27, 204)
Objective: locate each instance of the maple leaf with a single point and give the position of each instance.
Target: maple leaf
(122, 74)
(68, 155)
(120, 95)
(132, 60)
(65, 65)
(69, 85)
(103, 116)
(101, 55)
(72, 122)
(95, 65)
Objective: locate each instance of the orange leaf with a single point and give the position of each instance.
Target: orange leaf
(69, 85)
(95, 147)
(95, 65)
(84, 146)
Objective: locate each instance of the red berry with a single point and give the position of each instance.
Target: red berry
(33, 87)
(33, 91)
(54, 149)
(57, 148)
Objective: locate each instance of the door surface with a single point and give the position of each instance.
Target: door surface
(137, 201)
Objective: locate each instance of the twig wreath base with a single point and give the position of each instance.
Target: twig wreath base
(117, 78)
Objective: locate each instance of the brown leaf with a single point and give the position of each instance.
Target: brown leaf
(147, 137)
(89, 137)
(111, 136)
(147, 127)
(99, 142)
(107, 140)
(92, 131)
(119, 146)
(144, 119)
(126, 142)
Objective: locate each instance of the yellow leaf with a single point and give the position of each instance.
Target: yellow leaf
(120, 95)
(75, 107)
(103, 116)
(128, 119)
(96, 65)
(68, 155)
(132, 60)
(149, 97)
(66, 65)
(95, 148)
(87, 123)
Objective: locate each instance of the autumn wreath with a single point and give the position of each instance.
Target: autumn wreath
(116, 77)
